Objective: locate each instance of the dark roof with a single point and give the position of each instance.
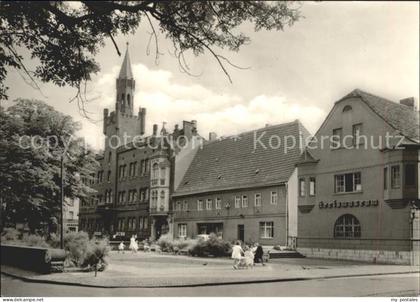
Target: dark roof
(307, 157)
(234, 163)
(401, 117)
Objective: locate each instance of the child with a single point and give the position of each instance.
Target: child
(121, 247)
(249, 258)
(237, 254)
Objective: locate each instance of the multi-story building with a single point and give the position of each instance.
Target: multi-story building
(136, 173)
(359, 191)
(243, 187)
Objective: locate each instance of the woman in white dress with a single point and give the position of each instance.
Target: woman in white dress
(133, 244)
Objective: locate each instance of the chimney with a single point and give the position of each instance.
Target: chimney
(155, 129)
(212, 136)
(409, 102)
(142, 117)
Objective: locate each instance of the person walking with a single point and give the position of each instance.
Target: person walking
(259, 254)
(237, 253)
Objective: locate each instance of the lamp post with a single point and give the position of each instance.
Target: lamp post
(62, 201)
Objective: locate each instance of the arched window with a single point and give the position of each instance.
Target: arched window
(347, 226)
(162, 195)
(155, 171)
(128, 100)
(347, 108)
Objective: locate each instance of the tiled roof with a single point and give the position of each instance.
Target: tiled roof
(236, 162)
(401, 117)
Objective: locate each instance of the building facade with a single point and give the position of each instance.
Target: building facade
(243, 187)
(359, 192)
(71, 215)
(136, 172)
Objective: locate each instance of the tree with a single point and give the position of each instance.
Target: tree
(33, 137)
(65, 38)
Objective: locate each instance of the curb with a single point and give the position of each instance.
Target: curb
(26, 279)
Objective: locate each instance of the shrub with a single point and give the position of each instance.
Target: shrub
(166, 243)
(95, 255)
(77, 245)
(214, 246)
(10, 234)
(35, 240)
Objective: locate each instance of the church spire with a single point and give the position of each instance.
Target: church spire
(125, 72)
(125, 87)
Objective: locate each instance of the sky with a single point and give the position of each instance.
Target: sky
(293, 74)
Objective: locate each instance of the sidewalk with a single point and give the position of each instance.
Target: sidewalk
(160, 270)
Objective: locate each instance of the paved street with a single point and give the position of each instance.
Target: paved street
(386, 285)
(164, 270)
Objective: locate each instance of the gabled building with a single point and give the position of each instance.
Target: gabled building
(243, 187)
(136, 173)
(359, 191)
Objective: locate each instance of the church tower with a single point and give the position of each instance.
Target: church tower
(125, 87)
(123, 122)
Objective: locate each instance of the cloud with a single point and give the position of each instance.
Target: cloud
(168, 101)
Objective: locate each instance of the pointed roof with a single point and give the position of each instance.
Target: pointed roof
(125, 72)
(398, 116)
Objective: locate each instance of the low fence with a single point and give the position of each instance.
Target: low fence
(41, 260)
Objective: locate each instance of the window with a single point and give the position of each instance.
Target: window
(208, 204)
(135, 168)
(395, 177)
(141, 223)
(410, 175)
(357, 131)
(312, 186)
(349, 182)
(155, 171)
(178, 206)
(244, 201)
(218, 204)
(386, 178)
(273, 199)
(347, 108)
(185, 205)
(257, 200)
(336, 138)
(347, 226)
(266, 230)
(182, 230)
(199, 205)
(302, 187)
(71, 214)
(108, 178)
(237, 202)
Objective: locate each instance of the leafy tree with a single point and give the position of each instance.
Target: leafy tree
(65, 38)
(33, 137)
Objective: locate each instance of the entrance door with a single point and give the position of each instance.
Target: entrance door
(241, 232)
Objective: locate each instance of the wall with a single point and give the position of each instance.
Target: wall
(292, 202)
(231, 216)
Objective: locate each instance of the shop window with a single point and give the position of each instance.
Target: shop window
(244, 201)
(410, 175)
(273, 199)
(395, 177)
(349, 182)
(302, 192)
(347, 226)
(257, 201)
(312, 186)
(182, 230)
(237, 201)
(266, 230)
